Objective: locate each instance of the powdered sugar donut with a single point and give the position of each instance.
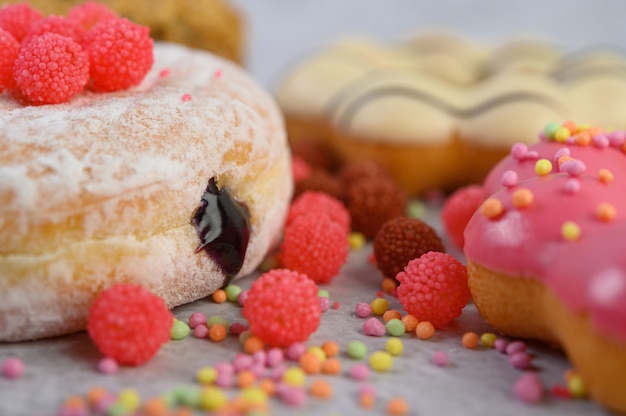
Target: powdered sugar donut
(178, 184)
(544, 252)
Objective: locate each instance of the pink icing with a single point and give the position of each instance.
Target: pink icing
(587, 274)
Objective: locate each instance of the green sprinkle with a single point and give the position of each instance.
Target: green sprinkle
(323, 293)
(232, 292)
(217, 319)
(179, 330)
(357, 350)
(187, 395)
(395, 327)
(550, 129)
(416, 209)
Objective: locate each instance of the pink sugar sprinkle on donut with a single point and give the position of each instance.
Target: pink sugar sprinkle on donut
(363, 309)
(509, 178)
(532, 155)
(373, 327)
(564, 151)
(601, 141)
(359, 372)
(519, 151)
(617, 138)
(108, 365)
(12, 368)
(573, 167)
(440, 358)
(572, 186)
(529, 388)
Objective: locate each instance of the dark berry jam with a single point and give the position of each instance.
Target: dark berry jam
(223, 225)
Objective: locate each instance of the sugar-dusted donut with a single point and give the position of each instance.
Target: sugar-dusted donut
(178, 184)
(545, 251)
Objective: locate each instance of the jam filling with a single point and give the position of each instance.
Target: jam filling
(223, 226)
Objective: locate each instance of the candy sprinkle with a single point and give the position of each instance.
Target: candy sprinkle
(522, 198)
(492, 208)
(381, 361)
(543, 167)
(605, 212)
(570, 231)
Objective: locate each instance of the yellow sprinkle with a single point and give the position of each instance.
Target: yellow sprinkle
(212, 398)
(522, 198)
(254, 396)
(561, 134)
(206, 375)
(543, 167)
(492, 208)
(318, 351)
(381, 361)
(356, 240)
(576, 386)
(294, 376)
(570, 231)
(488, 339)
(379, 306)
(605, 176)
(129, 399)
(582, 127)
(394, 346)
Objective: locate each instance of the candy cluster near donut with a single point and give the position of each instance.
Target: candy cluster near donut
(553, 219)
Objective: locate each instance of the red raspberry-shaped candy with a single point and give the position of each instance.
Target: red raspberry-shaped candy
(51, 69)
(458, 209)
(314, 201)
(128, 323)
(18, 18)
(56, 24)
(402, 239)
(434, 288)
(89, 13)
(315, 245)
(120, 54)
(9, 49)
(282, 307)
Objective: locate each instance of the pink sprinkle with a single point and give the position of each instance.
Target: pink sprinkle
(12, 368)
(186, 97)
(242, 362)
(276, 373)
(201, 331)
(532, 155)
(336, 305)
(259, 357)
(224, 367)
(564, 151)
(107, 365)
(373, 327)
(440, 358)
(295, 351)
(515, 346)
(258, 370)
(359, 371)
(236, 328)
(509, 178)
(520, 360)
(225, 380)
(293, 396)
(367, 389)
(528, 388)
(617, 138)
(243, 295)
(573, 167)
(217, 73)
(519, 151)
(363, 309)
(600, 141)
(275, 356)
(324, 303)
(196, 319)
(500, 345)
(164, 72)
(570, 140)
(572, 186)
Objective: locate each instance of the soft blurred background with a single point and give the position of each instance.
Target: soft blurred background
(280, 31)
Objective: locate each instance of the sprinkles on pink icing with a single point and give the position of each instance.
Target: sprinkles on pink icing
(509, 178)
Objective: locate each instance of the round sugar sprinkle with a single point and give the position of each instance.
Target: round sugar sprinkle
(570, 231)
(217, 319)
(232, 292)
(379, 306)
(394, 346)
(492, 208)
(381, 361)
(12, 368)
(359, 372)
(543, 167)
(440, 358)
(356, 349)
(395, 327)
(363, 309)
(424, 330)
(180, 330)
(373, 327)
(488, 339)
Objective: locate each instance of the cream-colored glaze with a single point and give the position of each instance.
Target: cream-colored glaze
(102, 189)
(529, 54)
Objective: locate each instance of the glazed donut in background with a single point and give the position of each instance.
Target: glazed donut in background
(213, 25)
(545, 255)
(527, 54)
(159, 185)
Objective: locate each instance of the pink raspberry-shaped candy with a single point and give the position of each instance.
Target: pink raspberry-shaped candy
(315, 245)
(56, 24)
(51, 69)
(120, 54)
(18, 18)
(282, 308)
(433, 287)
(128, 323)
(314, 201)
(458, 209)
(89, 13)
(9, 49)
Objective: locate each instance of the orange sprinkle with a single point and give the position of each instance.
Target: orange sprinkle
(330, 348)
(75, 402)
(424, 330)
(492, 208)
(321, 389)
(237, 405)
(391, 314)
(583, 138)
(605, 176)
(605, 212)
(410, 322)
(389, 285)
(253, 344)
(310, 363)
(219, 296)
(397, 406)
(217, 332)
(155, 406)
(562, 159)
(470, 340)
(522, 198)
(268, 386)
(367, 401)
(594, 130)
(183, 411)
(245, 378)
(331, 366)
(96, 394)
(571, 126)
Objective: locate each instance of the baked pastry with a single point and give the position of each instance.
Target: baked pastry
(214, 25)
(544, 252)
(159, 185)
